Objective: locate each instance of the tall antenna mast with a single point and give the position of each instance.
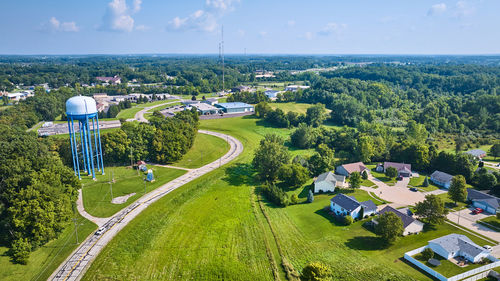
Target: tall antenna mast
(223, 70)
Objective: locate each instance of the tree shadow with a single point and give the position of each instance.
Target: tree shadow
(239, 174)
(366, 243)
(305, 191)
(325, 214)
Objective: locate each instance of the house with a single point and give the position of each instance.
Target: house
(404, 170)
(479, 199)
(410, 225)
(343, 205)
(242, 88)
(100, 96)
(294, 88)
(441, 179)
(477, 153)
(235, 107)
(210, 101)
(455, 245)
(347, 169)
(111, 80)
(327, 182)
(272, 94)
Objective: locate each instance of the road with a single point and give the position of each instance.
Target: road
(468, 220)
(76, 264)
(139, 116)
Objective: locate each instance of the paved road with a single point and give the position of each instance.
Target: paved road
(139, 116)
(466, 219)
(76, 264)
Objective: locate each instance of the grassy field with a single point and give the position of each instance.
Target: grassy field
(492, 222)
(291, 106)
(419, 181)
(46, 259)
(206, 149)
(129, 112)
(217, 228)
(97, 196)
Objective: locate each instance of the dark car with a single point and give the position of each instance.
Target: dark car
(414, 189)
(399, 178)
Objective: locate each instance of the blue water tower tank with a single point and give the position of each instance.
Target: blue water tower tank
(84, 135)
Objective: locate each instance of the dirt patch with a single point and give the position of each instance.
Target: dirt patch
(122, 199)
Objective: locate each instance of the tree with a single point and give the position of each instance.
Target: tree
(391, 172)
(294, 199)
(459, 144)
(389, 227)
(364, 175)
(366, 148)
(21, 249)
(348, 220)
(486, 181)
(316, 115)
(458, 189)
(432, 209)
(355, 180)
(427, 254)
(321, 161)
(294, 175)
(115, 147)
(416, 132)
(193, 98)
(303, 136)
(426, 182)
(315, 271)
(310, 196)
(270, 156)
(495, 150)
(261, 109)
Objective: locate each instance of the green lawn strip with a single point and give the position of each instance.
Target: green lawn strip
(128, 113)
(448, 203)
(491, 222)
(205, 150)
(44, 261)
(418, 182)
(447, 268)
(368, 183)
(381, 176)
(97, 196)
(102, 131)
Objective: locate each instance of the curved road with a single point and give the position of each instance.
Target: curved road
(139, 116)
(76, 264)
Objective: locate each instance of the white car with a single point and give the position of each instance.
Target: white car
(100, 231)
(487, 247)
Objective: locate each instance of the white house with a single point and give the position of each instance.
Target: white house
(294, 88)
(454, 245)
(487, 202)
(327, 182)
(347, 169)
(410, 225)
(441, 179)
(343, 205)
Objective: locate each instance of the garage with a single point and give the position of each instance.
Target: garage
(485, 207)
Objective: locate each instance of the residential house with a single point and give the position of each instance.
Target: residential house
(242, 88)
(410, 225)
(343, 205)
(441, 179)
(347, 169)
(404, 170)
(479, 199)
(327, 182)
(455, 245)
(111, 80)
(294, 88)
(477, 153)
(272, 94)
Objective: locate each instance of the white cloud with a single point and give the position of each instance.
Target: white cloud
(142, 27)
(437, 9)
(206, 19)
(309, 35)
(54, 25)
(463, 9)
(291, 23)
(118, 16)
(332, 28)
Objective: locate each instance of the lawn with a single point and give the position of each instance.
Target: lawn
(291, 106)
(216, 228)
(448, 203)
(46, 259)
(368, 183)
(492, 222)
(419, 181)
(447, 268)
(128, 113)
(205, 150)
(97, 195)
(381, 176)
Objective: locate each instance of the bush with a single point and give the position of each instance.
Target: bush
(21, 250)
(348, 220)
(391, 172)
(276, 195)
(498, 215)
(426, 182)
(310, 197)
(315, 271)
(294, 199)
(427, 254)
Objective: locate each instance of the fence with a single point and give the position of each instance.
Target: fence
(476, 273)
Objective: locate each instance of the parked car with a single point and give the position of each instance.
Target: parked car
(414, 189)
(477, 211)
(487, 247)
(399, 178)
(100, 231)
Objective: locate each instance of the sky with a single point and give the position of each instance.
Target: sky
(251, 26)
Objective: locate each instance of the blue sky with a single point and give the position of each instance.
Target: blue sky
(259, 26)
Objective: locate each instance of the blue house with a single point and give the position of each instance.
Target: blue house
(343, 205)
(441, 179)
(235, 107)
(487, 202)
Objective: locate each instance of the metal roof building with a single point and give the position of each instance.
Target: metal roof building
(235, 107)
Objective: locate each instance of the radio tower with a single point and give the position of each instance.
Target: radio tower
(222, 49)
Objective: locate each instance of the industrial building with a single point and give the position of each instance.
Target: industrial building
(235, 107)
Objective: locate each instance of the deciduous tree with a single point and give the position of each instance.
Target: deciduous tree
(389, 227)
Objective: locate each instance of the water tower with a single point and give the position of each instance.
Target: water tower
(84, 135)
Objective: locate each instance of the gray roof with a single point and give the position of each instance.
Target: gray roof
(456, 242)
(234, 105)
(339, 178)
(347, 202)
(328, 176)
(476, 195)
(441, 176)
(398, 166)
(369, 205)
(407, 220)
(476, 152)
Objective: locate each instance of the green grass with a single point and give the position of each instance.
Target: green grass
(492, 222)
(419, 181)
(205, 150)
(128, 113)
(448, 203)
(213, 229)
(291, 106)
(447, 268)
(381, 176)
(44, 261)
(97, 196)
(368, 183)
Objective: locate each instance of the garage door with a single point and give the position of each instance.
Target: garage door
(479, 205)
(491, 210)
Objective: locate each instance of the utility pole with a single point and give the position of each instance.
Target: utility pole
(223, 70)
(76, 232)
(111, 185)
(144, 185)
(202, 157)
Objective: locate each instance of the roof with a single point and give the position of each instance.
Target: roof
(476, 152)
(354, 167)
(339, 178)
(347, 202)
(398, 166)
(476, 195)
(234, 105)
(203, 106)
(369, 205)
(456, 242)
(328, 176)
(407, 220)
(441, 176)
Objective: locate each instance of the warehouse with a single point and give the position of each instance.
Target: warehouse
(235, 107)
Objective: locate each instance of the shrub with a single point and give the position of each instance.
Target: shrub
(276, 195)
(348, 220)
(427, 254)
(21, 250)
(426, 182)
(391, 172)
(315, 271)
(294, 199)
(498, 215)
(310, 196)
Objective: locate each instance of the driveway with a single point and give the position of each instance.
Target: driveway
(466, 219)
(399, 195)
